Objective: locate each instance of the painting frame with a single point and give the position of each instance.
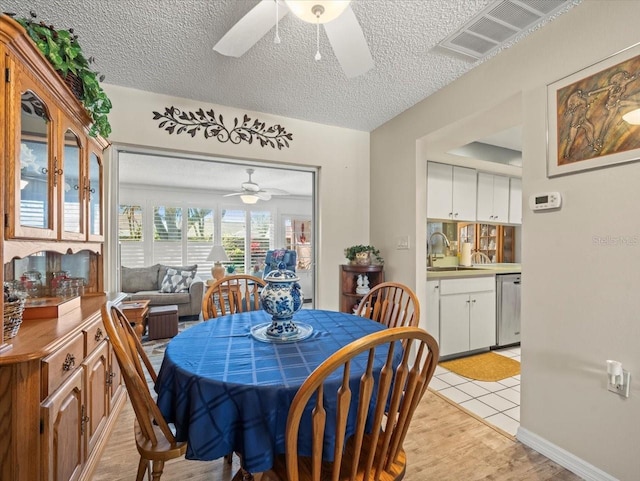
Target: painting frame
(585, 130)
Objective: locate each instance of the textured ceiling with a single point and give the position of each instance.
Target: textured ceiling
(165, 46)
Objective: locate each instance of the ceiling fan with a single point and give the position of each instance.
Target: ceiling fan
(340, 24)
(250, 192)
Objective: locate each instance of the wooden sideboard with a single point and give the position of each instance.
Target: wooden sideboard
(60, 393)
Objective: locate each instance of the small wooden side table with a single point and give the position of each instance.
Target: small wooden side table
(136, 312)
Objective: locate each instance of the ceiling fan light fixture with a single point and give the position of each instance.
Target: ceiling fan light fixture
(318, 11)
(249, 198)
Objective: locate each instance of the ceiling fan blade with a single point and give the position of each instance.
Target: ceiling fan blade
(276, 191)
(262, 195)
(250, 28)
(349, 45)
(235, 193)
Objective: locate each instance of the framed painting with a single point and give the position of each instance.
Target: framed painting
(586, 114)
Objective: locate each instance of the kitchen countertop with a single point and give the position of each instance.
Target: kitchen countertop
(479, 270)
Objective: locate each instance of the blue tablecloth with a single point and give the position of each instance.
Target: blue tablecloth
(227, 392)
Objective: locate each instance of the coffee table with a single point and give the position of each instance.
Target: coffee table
(136, 312)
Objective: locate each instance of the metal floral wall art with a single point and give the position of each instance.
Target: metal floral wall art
(177, 121)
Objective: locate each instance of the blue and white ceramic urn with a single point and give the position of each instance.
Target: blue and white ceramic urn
(281, 298)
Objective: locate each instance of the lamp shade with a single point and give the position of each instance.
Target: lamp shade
(218, 254)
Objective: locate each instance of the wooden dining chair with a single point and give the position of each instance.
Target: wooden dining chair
(231, 294)
(135, 345)
(154, 439)
(386, 398)
(392, 304)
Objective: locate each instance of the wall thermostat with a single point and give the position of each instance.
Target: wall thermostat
(545, 201)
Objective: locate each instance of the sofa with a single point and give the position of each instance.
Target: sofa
(165, 285)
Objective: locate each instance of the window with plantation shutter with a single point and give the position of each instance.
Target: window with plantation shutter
(261, 239)
(233, 229)
(130, 219)
(167, 235)
(200, 236)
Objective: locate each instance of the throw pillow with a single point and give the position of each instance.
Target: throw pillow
(135, 279)
(162, 271)
(177, 281)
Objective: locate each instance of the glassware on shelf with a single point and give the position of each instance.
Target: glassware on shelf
(32, 283)
(70, 287)
(76, 286)
(57, 278)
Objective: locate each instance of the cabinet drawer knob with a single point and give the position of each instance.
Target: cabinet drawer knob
(99, 335)
(69, 362)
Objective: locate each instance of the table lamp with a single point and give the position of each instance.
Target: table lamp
(218, 255)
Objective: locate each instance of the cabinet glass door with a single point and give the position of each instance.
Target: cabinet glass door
(94, 199)
(34, 192)
(488, 241)
(71, 187)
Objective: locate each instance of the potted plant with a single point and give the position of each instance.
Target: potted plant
(62, 50)
(361, 254)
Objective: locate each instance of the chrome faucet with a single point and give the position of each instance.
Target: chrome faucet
(446, 243)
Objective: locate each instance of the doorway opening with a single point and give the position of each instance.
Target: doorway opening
(172, 209)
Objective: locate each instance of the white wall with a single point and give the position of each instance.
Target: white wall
(580, 299)
(342, 156)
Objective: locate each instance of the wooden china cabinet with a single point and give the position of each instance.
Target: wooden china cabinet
(496, 241)
(349, 298)
(60, 386)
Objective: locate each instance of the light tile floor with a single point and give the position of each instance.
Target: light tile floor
(498, 403)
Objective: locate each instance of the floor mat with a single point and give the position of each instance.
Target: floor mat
(487, 366)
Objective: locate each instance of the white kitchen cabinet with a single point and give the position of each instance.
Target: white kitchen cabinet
(482, 320)
(430, 321)
(515, 200)
(451, 192)
(493, 198)
(467, 314)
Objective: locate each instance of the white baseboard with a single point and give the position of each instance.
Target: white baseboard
(562, 457)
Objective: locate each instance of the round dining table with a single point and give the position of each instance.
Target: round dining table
(226, 391)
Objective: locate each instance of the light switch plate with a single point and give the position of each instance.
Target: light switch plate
(402, 242)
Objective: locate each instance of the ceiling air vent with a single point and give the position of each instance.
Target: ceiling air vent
(499, 23)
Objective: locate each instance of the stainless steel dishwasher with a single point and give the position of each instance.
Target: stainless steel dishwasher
(508, 309)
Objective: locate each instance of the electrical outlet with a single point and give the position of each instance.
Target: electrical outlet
(621, 388)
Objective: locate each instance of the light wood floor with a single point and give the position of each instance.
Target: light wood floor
(443, 443)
